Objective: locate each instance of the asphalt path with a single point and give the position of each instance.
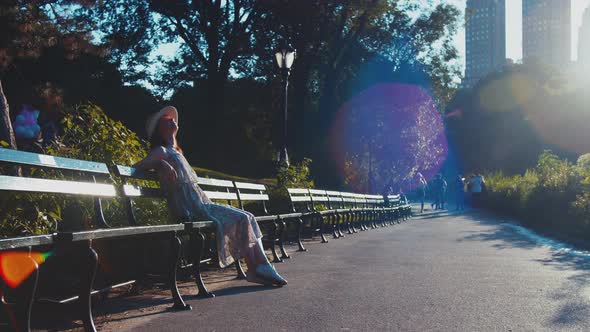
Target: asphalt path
(468, 272)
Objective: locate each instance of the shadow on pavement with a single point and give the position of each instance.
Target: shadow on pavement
(237, 290)
(574, 304)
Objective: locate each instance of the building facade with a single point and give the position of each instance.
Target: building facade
(546, 31)
(485, 39)
(584, 39)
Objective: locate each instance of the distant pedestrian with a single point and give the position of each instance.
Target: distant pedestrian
(423, 186)
(443, 193)
(439, 187)
(477, 188)
(460, 192)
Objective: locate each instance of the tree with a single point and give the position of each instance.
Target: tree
(215, 38)
(511, 116)
(27, 27)
(339, 42)
(225, 41)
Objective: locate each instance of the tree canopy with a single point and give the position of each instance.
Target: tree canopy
(223, 77)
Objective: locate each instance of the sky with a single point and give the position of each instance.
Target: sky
(514, 28)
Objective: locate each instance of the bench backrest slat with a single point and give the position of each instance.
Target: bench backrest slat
(360, 199)
(135, 191)
(221, 195)
(16, 157)
(394, 200)
(214, 183)
(318, 196)
(80, 170)
(335, 199)
(297, 191)
(216, 189)
(131, 172)
(252, 192)
(254, 197)
(246, 185)
(348, 198)
(300, 199)
(14, 183)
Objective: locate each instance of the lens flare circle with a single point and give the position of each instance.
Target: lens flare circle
(385, 134)
(17, 266)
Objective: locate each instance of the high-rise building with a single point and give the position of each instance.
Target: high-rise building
(485, 38)
(546, 31)
(584, 39)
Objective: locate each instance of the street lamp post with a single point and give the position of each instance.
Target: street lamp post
(284, 56)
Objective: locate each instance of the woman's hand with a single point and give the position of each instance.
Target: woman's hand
(167, 172)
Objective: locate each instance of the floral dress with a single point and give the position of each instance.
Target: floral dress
(237, 230)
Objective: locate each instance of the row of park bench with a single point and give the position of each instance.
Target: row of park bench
(75, 253)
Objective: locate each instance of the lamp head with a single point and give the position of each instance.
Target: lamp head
(285, 56)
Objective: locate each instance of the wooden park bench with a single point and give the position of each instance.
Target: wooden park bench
(403, 209)
(75, 253)
(72, 252)
(233, 193)
(338, 209)
(304, 211)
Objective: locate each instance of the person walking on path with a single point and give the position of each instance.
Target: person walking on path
(238, 233)
(460, 192)
(423, 186)
(443, 193)
(439, 187)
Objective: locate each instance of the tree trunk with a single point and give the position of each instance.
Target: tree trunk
(6, 132)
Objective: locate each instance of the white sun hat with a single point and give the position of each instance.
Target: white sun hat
(152, 121)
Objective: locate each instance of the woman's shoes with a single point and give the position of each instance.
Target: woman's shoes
(265, 274)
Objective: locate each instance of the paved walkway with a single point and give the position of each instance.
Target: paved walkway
(437, 272)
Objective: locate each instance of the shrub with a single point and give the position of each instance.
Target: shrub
(88, 134)
(553, 195)
(297, 175)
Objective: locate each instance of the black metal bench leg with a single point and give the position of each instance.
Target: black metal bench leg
(339, 226)
(349, 225)
(86, 288)
(240, 275)
(334, 226)
(282, 235)
(24, 302)
(361, 221)
(198, 244)
(273, 249)
(172, 268)
(322, 229)
(299, 230)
